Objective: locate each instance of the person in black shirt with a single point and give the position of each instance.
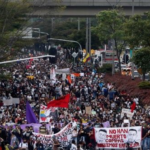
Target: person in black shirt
(39, 145)
(55, 129)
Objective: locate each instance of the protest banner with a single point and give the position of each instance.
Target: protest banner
(64, 137)
(127, 112)
(88, 110)
(117, 138)
(64, 70)
(9, 102)
(45, 114)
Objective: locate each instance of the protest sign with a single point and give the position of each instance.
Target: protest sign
(88, 110)
(127, 112)
(11, 101)
(117, 138)
(52, 74)
(82, 74)
(64, 70)
(45, 114)
(64, 137)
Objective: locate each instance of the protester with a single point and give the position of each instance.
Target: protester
(31, 81)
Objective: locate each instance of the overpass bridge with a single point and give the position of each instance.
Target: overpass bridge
(86, 8)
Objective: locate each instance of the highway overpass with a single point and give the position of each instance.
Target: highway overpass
(86, 8)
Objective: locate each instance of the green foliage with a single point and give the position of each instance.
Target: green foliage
(141, 58)
(12, 20)
(137, 30)
(110, 26)
(144, 85)
(107, 68)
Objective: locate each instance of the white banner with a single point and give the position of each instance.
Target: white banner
(64, 70)
(11, 101)
(127, 112)
(117, 138)
(64, 137)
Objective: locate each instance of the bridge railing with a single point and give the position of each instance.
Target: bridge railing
(107, 3)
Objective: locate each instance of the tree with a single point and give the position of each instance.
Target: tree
(110, 26)
(12, 20)
(141, 58)
(137, 30)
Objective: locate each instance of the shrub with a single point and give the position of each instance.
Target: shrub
(107, 68)
(144, 85)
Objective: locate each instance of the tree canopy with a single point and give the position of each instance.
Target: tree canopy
(110, 26)
(141, 58)
(12, 20)
(137, 30)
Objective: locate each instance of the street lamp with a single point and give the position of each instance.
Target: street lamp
(64, 40)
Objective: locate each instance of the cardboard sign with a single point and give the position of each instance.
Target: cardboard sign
(88, 110)
(9, 102)
(128, 112)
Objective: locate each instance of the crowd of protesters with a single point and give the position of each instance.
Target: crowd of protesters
(104, 98)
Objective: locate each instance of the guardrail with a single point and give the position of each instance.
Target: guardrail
(103, 3)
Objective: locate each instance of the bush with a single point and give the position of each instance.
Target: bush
(144, 85)
(107, 68)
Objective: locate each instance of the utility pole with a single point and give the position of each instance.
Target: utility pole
(78, 24)
(132, 64)
(113, 66)
(88, 36)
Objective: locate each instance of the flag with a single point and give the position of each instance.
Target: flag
(76, 74)
(69, 79)
(133, 106)
(45, 114)
(30, 116)
(86, 57)
(62, 102)
(89, 58)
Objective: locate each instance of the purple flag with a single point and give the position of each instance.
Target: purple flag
(30, 116)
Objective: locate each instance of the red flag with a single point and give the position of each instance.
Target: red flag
(133, 106)
(62, 102)
(69, 79)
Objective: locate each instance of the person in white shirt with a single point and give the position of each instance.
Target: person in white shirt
(23, 145)
(73, 145)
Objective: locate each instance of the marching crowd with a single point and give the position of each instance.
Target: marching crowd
(90, 90)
